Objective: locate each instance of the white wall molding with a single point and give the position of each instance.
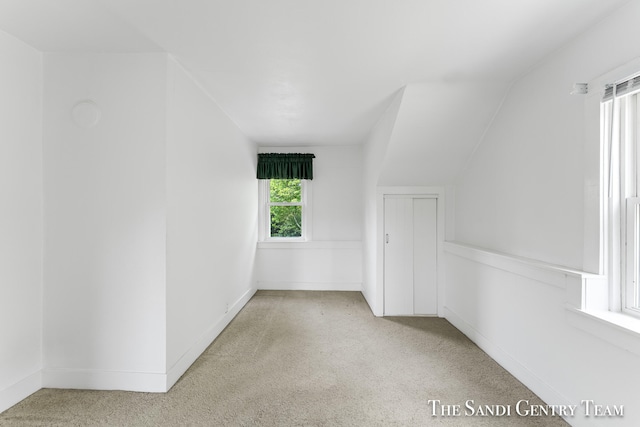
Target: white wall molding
(332, 244)
(511, 364)
(586, 293)
(187, 359)
(20, 390)
(615, 328)
(549, 274)
(311, 266)
(503, 280)
(154, 382)
(577, 284)
(93, 379)
(310, 286)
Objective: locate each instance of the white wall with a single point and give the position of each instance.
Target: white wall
(211, 220)
(313, 266)
(332, 260)
(20, 220)
(523, 192)
(337, 192)
(104, 202)
(150, 222)
(428, 146)
(374, 151)
(523, 195)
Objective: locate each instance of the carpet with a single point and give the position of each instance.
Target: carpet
(301, 358)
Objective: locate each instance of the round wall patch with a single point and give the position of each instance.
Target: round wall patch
(86, 114)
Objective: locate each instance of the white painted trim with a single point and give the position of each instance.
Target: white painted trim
(596, 85)
(187, 359)
(153, 382)
(334, 244)
(615, 328)
(369, 303)
(598, 238)
(263, 209)
(507, 361)
(90, 379)
(586, 294)
(539, 271)
(20, 390)
(264, 213)
(310, 286)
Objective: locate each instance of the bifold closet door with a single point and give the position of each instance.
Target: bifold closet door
(410, 274)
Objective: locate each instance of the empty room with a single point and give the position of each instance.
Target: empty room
(305, 212)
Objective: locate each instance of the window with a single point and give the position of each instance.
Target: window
(285, 212)
(285, 186)
(620, 126)
(605, 302)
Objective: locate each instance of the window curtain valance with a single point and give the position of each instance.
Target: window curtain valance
(285, 166)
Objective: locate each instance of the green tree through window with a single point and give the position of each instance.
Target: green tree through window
(285, 200)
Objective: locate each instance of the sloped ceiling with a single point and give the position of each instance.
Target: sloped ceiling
(312, 72)
(437, 129)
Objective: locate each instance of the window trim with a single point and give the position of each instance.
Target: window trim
(264, 217)
(594, 303)
(619, 122)
(629, 294)
(629, 201)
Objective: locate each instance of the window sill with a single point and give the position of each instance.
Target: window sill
(334, 244)
(619, 329)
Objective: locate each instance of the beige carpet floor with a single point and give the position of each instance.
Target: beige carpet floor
(295, 358)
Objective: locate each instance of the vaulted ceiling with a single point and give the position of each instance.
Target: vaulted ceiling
(312, 72)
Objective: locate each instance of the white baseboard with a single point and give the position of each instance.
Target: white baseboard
(187, 359)
(90, 379)
(152, 382)
(374, 310)
(20, 390)
(309, 286)
(515, 368)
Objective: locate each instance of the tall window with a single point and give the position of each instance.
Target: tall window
(285, 208)
(620, 115)
(285, 184)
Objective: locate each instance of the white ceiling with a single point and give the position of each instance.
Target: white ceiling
(312, 72)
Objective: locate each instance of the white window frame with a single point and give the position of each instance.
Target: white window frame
(264, 217)
(630, 293)
(595, 301)
(620, 118)
(631, 208)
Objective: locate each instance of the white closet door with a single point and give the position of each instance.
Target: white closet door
(398, 258)
(410, 256)
(425, 275)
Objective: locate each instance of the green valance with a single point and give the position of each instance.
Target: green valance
(285, 166)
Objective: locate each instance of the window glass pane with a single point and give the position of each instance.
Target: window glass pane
(636, 252)
(285, 190)
(286, 221)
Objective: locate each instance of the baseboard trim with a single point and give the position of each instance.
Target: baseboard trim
(20, 390)
(309, 286)
(151, 382)
(515, 368)
(372, 307)
(187, 359)
(89, 379)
